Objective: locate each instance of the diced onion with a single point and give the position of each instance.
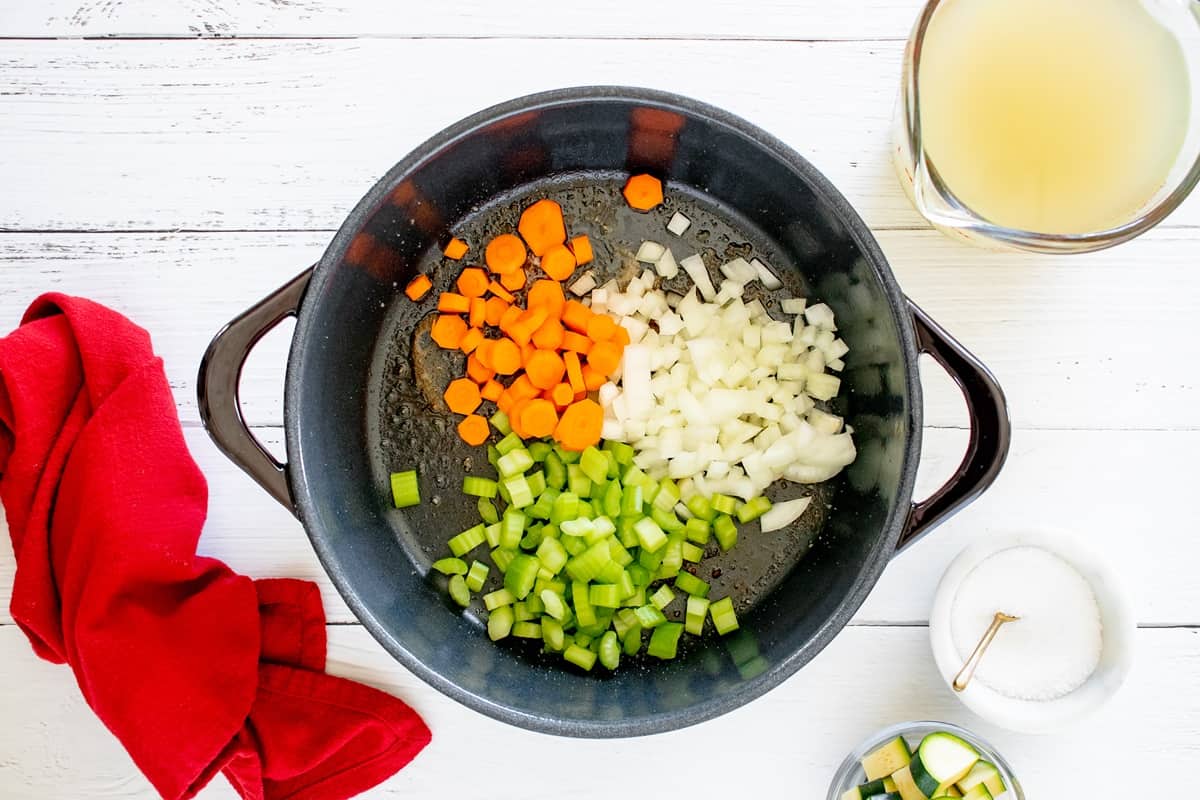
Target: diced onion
(678, 224)
(780, 515)
(765, 275)
(650, 252)
(586, 282)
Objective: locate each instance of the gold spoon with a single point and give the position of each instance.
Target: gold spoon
(968, 670)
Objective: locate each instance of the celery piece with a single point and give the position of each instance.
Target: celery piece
(697, 530)
(723, 617)
(405, 491)
(566, 507)
(552, 634)
(586, 565)
(651, 561)
(622, 452)
(650, 490)
(477, 575)
(604, 526)
(697, 610)
(551, 584)
(672, 560)
(493, 455)
(723, 503)
(480, 487)
(664, 641)
(586, 511)
(556, 471)
(692, 553)
(512, 527)
(666, 520)
(597, 507)
(604, 595)
(619, 554)
(725, 531)
(667, 496)
(612, 500)
(514, 462)
(700, 507)
(502, 558)
(504, 495)
(573, 544)
(520, 495)
(580, 657)
(521, 612)
(593, 464)
(487, 511)
(552, 555)
(752, 509)
(631, 642)
(689, 584)
(451, 566)
(544, 505)
(631, 500)
(501, 423)
(610, 573)
(632, 476)
(498, 599)
(567, 456)
(614, 468)
(625, 532)
(596, 495)
(510, 442)
(467, 541)
(662, 597)
(639, 574)
(610, 650)
(521, 574)
(576, 527)
(650, 616)
(583, 639)
(578, 481)
(500, 623)
(650, 535)
(554, 604)
(537, 482)
(583, 607)
(539, 451)
(527, 630)
(635, 600)
(532, 538)
(535, 604)
(623, 620)
(459, 592)
(492, 534)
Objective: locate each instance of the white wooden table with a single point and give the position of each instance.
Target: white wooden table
(178, 159)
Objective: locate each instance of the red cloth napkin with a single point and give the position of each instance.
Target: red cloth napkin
(193, 667)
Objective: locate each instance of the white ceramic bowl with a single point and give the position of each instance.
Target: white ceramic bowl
(1116, 617)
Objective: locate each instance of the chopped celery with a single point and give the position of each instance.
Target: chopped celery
(521, 612)
(662, 597)
(552, 633)
(552, 555)
(576, 527)
(477, 575)
(583, 607)
(625, 532)
(521, 575)
(580, 657)
(502, 558)
(539, 451)
(574, 544)
(691, 552)
(639, 574)
(532, 538)
(666, 520)
(567, 456)
(724, 620)
(632, 500)
(650, 490)
(753, 509)
(649, 560)
(500, 623)
(498, 599)
(725, 531)
(650, 616)
(480, 487)
(520, 495)
(487, 511)
(623, 620)
(514, 462)
(650, 535)
(553, 584)
(492, 534)
(723, 503)
(604, 595)
(537, 483)
(697, 610)
(493, 455)
(451, 566)
(566, 507)
(554, 604)
(544, 505)
(599, 488)
(637, 599)
(610, 573)
(690, 584)
(500, 422)
(612, 500)
(405, 491)
(578, 481)
(633, 476)
(668, 495)
(527, 630)
(664, 641)
(697, 530)
(593, 464)
(610, 650)
(614, 468)
(622, 452)
(631, 642)
(672, 560)
(509, 443)
(619, 554)
(700, 507)
(512, 527)
(467, 541)
(459, 592)
(585, 566)
(535, 605)
(556, 471)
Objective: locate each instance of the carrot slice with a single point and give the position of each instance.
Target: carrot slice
(513, 280)
(580, 425)
(574, 372)
(478, 371)
(605, 357)
(523, 389)
(527, 351)
(576, 316)
(484, 352)
(601, 328)
(523, 328)
(538, 418)
(455, 249)
(643, 192)
(448, 331)
(494, 309)
(581, 248)
(550, 335)
(514, 417)
(558, 262)
(545, 369)
(462, 395)
(505, 253)
(542, 226)
(491, 390)
(547, 294)
(501, 292)
(418, 287)
(473, 429)
(576, 342)
(505, 401)
(506, 357)
(562, 395)
(472, 282)
(622, 336)
(478, 313)
(471, 340)
(510, 315)
(593, 378)
(451, 303)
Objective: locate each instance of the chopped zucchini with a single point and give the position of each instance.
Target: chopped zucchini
(978, 792)
(905, 785)
(953, 791)
(879, 789)
(887, 759)
(985, 773)
(942, 760)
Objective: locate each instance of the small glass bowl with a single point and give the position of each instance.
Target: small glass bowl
(850, 773)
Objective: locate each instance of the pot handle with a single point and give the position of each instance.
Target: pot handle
(990, 429)
(217, 387)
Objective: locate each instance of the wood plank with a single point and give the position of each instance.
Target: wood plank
(674, 19)
(1058, 333)
(234, 135)
(53, 746)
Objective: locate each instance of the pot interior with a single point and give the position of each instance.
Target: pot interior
(364, 386)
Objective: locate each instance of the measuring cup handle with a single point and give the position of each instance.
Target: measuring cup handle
(990, 429)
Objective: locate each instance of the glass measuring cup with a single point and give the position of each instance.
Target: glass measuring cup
(937, 202)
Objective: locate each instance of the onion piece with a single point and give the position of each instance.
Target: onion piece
(780, 515)
(586, 282)
(694, 266)
(678, 224)
(765, 275)
(650, 252)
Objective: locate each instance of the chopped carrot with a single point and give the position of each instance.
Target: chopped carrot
(593, 378)
(418, 287)
(605, 357)
(547, 293)
(494, 309)
(513, 280)
(505, 253)
(523, 328)
(538, 418)
(509, 316)
(448, 331)
(577, 342)
(478, 371)
(505, 401)
(506, 357)
(514, 417)
(472, 282)
(478, 313)
(501, 292)
(574, 372)
(523, 389)
(562, 395)
(576, 316)
(471, 340)
(542, 226)
(580, 395)
(491, 390)
(581, 248)
(451, 303)
(473, 429)
(558, 262)
(462, 395)
(545, 369)
(484, 352)
(455, 249)
(643, 192)
(527, 351)
(550, 335)
(601, 328)
(622, 336)
(579, 427)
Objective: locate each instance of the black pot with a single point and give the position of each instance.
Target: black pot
(354, 410)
